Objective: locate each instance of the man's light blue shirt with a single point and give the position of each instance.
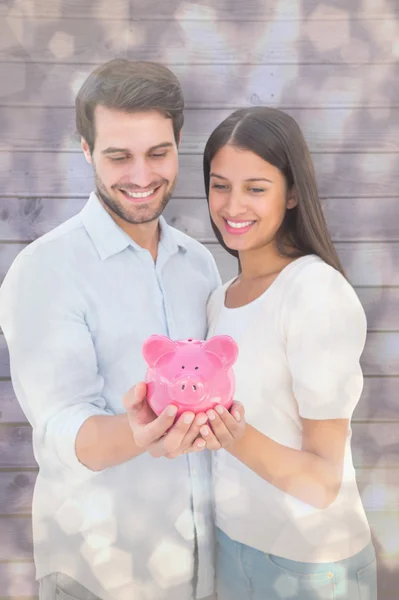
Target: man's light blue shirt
(75, 308)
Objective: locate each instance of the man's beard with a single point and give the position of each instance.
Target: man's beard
(138, 214)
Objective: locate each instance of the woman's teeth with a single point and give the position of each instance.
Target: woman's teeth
(240, 225)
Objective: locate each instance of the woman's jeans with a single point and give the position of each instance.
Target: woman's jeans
(244, 573)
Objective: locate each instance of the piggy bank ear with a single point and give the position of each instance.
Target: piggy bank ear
(155, 347)
(224, 347)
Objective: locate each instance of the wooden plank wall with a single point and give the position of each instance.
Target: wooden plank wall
(331, 65)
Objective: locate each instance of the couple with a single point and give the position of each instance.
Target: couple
(113, 519)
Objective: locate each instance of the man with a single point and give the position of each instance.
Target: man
(112, 518)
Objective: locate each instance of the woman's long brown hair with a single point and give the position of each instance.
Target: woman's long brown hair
(276, 137)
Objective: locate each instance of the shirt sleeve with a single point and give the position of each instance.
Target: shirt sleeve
(325, 337)
(52, 359)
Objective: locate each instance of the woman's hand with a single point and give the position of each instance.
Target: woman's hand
(224, 426)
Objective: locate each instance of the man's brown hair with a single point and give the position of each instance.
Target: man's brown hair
(129, 86)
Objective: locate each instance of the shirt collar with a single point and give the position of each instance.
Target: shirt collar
(109, 239)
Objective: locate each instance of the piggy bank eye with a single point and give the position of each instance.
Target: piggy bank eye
(183, 367)
(196, 368)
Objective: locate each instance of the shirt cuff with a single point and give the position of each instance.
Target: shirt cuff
(324, 413)
(62, 431)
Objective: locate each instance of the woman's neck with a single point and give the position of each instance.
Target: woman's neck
(262, 262)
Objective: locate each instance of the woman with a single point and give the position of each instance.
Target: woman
(289, 516)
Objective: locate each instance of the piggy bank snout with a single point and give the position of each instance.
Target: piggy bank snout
(188, 389)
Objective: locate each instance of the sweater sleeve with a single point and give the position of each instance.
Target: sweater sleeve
(325, 337)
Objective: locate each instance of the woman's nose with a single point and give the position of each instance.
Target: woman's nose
(235, 205)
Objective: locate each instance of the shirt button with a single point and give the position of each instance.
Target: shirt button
(330, 575)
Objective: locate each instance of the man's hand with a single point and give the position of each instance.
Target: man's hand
(227, 426)
(159, 435)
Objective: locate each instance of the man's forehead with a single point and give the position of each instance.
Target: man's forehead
(111, 117)
(142, 130)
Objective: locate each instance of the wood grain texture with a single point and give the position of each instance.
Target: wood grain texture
(379, 489)
(366, 264)
(381, 306)
(338, 175)
(330, 65)
(17, 581)
(374, 445)
(16, 492)
(362, 219)
(381, 354)
(16, 538)
(325, 129)
(10, 410)
(377, 403)
(242, 42)
(293, 86)
(349, 219)
(204, 10)
(36, 9)
(16, 447)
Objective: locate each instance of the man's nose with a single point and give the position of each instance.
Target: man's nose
(140, 173)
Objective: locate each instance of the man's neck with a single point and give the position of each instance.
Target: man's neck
(146, 235)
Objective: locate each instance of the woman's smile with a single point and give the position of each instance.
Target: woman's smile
(238, 227)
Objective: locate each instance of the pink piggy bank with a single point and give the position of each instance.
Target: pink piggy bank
(193, 375)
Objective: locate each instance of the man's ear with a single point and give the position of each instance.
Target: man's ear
(292, 199)
(180, 136)
(86, 150)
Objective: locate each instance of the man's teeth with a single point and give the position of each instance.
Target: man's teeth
(140, 194)
(239, 225)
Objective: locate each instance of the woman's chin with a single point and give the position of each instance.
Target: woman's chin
(238, 245)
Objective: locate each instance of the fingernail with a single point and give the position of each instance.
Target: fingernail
(219, 409)
(205, 431)
(201, 444)
(202, 420)
(237, 416)
(189, 418)
(211, 415)
(171, 411)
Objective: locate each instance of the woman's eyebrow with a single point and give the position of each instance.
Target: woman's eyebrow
(259, 179)
(218, 176)
(249, 179)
